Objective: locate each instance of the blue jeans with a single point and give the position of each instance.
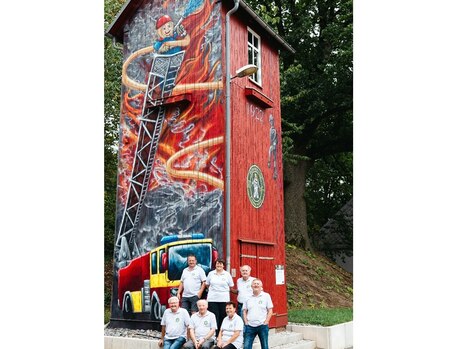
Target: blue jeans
(173, 343)
(251, 332)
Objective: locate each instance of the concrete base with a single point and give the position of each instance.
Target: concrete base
(276, 340)
(332, 337)
(129, 343)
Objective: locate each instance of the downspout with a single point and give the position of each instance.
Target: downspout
(228, 137)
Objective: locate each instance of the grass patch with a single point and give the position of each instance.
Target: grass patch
(323, 317)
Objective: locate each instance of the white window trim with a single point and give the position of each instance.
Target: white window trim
(259, 52)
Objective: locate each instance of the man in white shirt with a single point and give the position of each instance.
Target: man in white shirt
(230, 336)
(257, 312)
(244, 287)
(192, 285)
(202, 328)
(174, 326)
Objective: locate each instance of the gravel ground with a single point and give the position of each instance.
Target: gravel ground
(124, 332)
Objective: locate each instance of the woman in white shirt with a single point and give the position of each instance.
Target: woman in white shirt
(219, 283)
(231, 332)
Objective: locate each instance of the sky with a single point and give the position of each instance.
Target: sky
(408, 173)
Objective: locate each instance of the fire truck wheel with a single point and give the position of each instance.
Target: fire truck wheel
(127, 307)
(157, 309)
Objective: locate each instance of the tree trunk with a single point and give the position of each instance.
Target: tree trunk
(295, 209)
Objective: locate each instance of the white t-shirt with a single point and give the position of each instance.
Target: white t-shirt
(219, 284)
(229, 326)
(257, 308)
(203, 324)
(191, 281)
(176, 323)
(244, 289)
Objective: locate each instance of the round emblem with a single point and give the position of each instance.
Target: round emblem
(177, 319)
(205, 322)
(255, 186)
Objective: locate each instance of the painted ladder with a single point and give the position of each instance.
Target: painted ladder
(162, 78)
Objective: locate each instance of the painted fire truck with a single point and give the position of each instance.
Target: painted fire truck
(147, 282)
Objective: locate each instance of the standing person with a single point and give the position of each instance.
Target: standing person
(230, 336)
(244, 287)
(257, 312)
(174, 326)
(219, 283)
(202, 328)
(192, 285)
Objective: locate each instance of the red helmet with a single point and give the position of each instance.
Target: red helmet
(163, 20)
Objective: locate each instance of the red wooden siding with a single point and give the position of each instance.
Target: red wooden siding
(256, 233)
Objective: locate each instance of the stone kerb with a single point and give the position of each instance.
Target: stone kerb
(327, 337)
(129, 343)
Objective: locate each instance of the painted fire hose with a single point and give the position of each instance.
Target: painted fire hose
(127, 81)
(197, 175)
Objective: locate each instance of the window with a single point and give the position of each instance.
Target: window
(177, 259)
(154, 263)
(253, 49)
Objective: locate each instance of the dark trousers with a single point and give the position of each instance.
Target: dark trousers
(239, 309)
(190, 304)
(219, 309)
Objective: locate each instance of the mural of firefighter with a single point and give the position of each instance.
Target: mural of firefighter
(171, 158)
(272, 150)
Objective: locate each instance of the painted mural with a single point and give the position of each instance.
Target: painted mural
(171, 157)
(272, 150)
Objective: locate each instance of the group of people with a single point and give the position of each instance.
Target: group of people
(216, 319)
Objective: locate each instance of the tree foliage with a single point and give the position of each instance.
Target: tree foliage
(316, 80)
(329, 188)
(112, 97)
(329, 183)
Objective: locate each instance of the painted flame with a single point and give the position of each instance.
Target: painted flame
(202, 120)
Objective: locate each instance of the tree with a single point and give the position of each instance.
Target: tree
(316, 95)
(329, 204)
(112, 85)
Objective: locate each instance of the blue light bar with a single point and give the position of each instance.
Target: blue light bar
(172, 238)
(198, 236)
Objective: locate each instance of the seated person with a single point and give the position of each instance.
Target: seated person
(230, 336)
(202, 328)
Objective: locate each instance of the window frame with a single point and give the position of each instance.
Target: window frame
(257, 77)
